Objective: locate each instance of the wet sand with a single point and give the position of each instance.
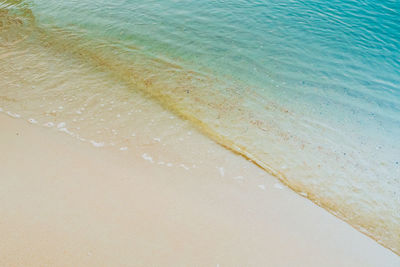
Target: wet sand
(66, 203)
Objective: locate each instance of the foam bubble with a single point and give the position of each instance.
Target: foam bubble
(33, 121)
(65, 130)
(221, 171)
(184, 166)
(97, 144)
(147, 157)
(61, 125)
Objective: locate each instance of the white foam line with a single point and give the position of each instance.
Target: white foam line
(65, 130)
(14, 115)
(97, 144)
(147, 157)
(184, 166)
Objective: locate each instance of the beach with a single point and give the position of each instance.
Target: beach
(68, 203)
(199, 133)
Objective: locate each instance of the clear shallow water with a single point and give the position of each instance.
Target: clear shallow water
(308, 90)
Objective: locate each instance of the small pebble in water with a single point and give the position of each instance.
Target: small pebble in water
(123, 148)
(304, 194)
(48, 124)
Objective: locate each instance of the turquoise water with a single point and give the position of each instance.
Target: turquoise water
(309, 90)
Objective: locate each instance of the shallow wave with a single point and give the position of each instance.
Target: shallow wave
(345, 167)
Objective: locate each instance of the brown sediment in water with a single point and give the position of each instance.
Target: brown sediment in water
(182, 92)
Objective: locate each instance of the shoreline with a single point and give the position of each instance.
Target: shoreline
(112, 97)
(67, 203)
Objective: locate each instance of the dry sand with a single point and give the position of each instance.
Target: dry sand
(67, 203)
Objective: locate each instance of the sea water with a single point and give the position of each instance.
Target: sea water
(308, 90)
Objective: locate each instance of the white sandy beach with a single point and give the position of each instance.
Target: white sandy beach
(66, 203)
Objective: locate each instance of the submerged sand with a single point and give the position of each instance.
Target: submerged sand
(67, 203)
